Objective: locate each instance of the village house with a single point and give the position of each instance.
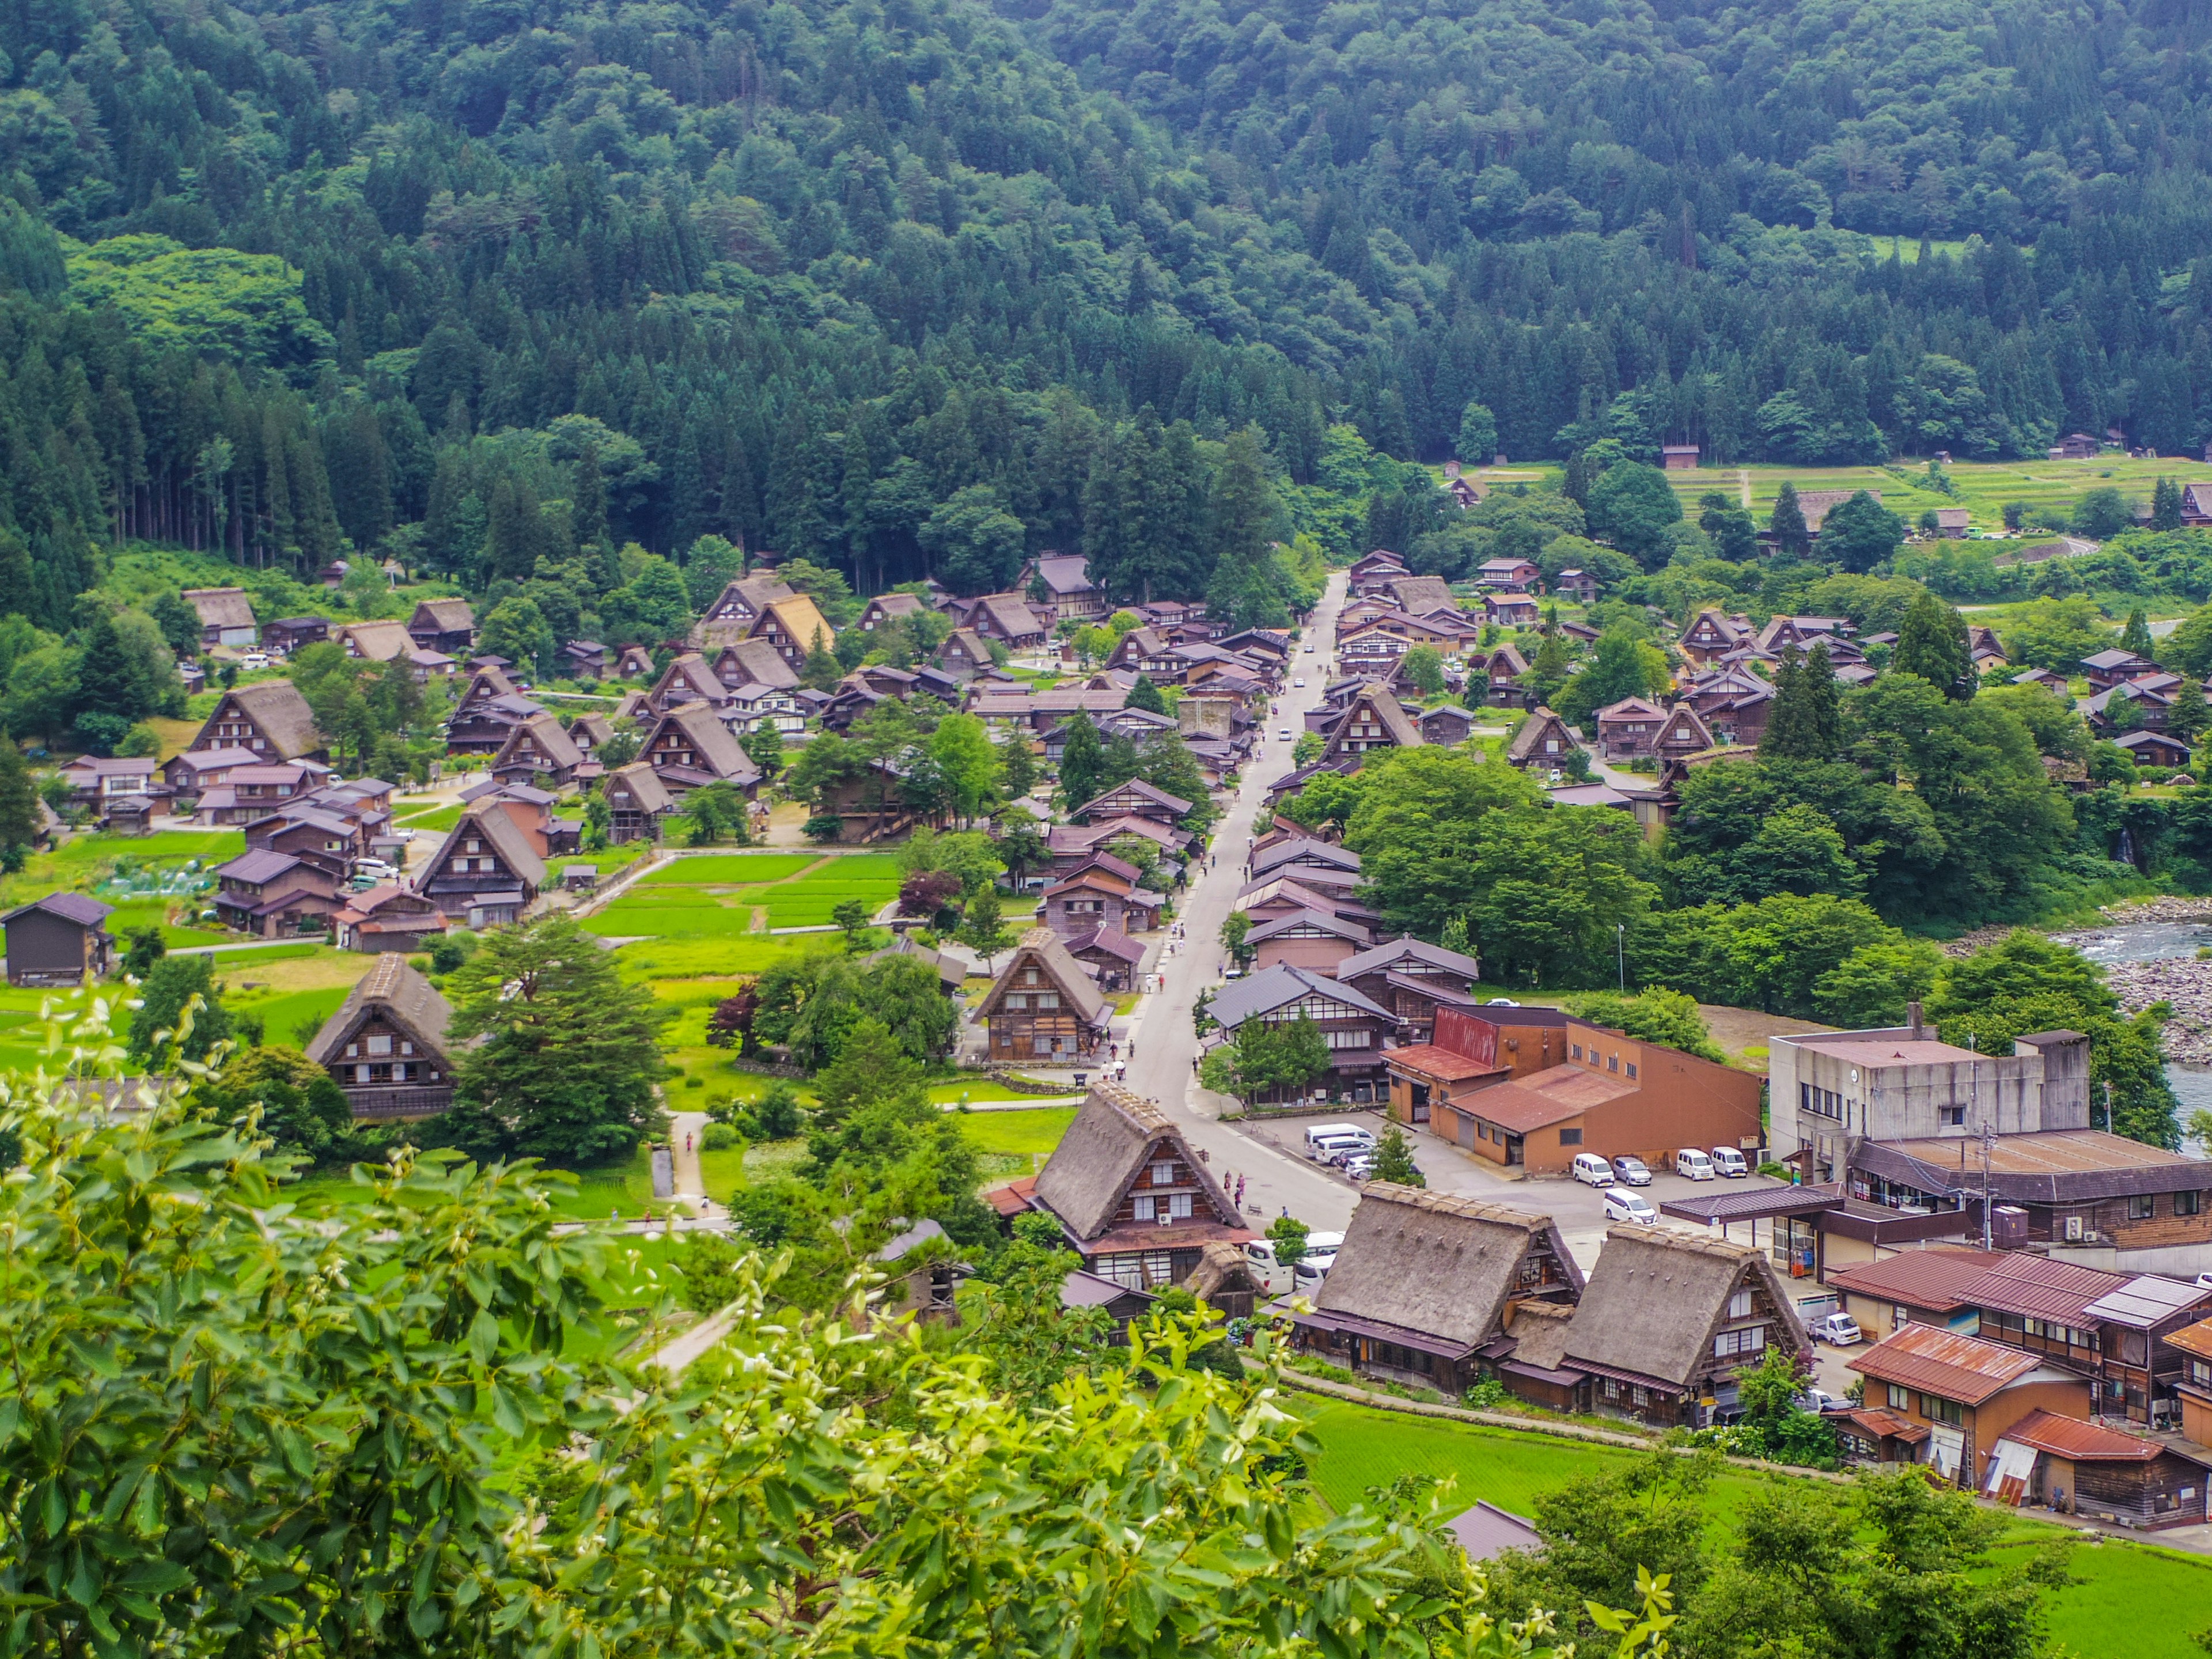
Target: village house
(537, 748)
(1373, 572)
(1629, 729)
(1373, 720)
(688, 747)
(1355, 1028)
(386, 1046)
(1008, 618)
(226, 616)
(1579, 586)
(1669, 1321)
(273, 895)
(1100, 895)
(688, 679)
(737, 607)
(1734, 704)
(2116, 667)
(249, 794)
(372, 642)
(1831, 1089)
(585, 659)
(1073, 845)
(2124, 1203)
(2074, 447)
(2132, 702)
(484, 873)
(1413, 979)
(1424, 1285)
(738, 664)
(488, 708)
(55, 940)
(1317, 940)
(795, 627)
(1948, 1398)
(1510, 611)
(320, 835)
(1446, 726)
(2154, 749)
(1508, 575)
(886, 608)
(189, 776)
(1135, 1201)
(287, 634)
(963, 654)
(1111, 956)
(531, 810)
(1043, 1008)
(590, 733)
(387, 918)
(638, 803)
(1683, 734)
(100, 783)
(1134, 798)
(1274, 896)
(2190, 1351)
(270, 717)
(2093, 1469)
(1061, 582)
(1563, 1089)
(1543, 741)
(448, 626)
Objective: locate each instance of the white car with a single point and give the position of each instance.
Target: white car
(1820, 1400)
(1299, 683)
(1621, 1205)
(1591, 1169)
(1285, 734)
(1729, 1161)
(1308, 647)
(1838, 1329)
(376, 869)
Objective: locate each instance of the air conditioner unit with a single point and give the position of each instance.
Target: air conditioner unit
(1164, 1218)
(2073, 1230)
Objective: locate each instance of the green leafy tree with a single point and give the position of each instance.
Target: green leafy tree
(2102, 514)
(1288, 1234)
(1860, 533)
(2056, 634)
(1245, 518)
(570, 1050)
(1876, 985)
(180, 1012)
(2186, 719)
(1478, 435)
(517, 630)
(1415, 820)
(1623, 665)
(968, 761)
(19, 800)
(298, 1107)
(976, 541)
(1424, 666)
(1633, 507)
(1655, 1015)
(821, 669)
(852, 916)
(763, 746)
(982, 927)
(1235, 926)
(1017, 766)
(1145, 695)
(1548, 888)
(2135, 635)
(1394, 1160)
(1933, 644)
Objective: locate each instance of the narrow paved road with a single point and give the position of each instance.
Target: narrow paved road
(1166, 1043)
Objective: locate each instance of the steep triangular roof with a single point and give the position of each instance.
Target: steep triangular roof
(686, 679)
(1105, 1148)
(219, 607)
(280, 713)
(1631, 708)
(754, 661)
(485, 685)
(544, 734)
(1657, 1296)
(395, 990)
(644, 785)
(1393, 952)
(1377, 699)
(378, 642)
(1540, 724)
(491, 824)
(798, 618)
(1683, 726)
(720, 752)
(445, 616)
(1440, 1266)
(1041, 948)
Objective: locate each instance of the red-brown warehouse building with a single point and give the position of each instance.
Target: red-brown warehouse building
(1532, 1087)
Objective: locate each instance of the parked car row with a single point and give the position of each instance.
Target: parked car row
(1594, 1169)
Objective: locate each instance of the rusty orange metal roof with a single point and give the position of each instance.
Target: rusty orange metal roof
(1889, 1425)
(1444, 1065)
(1946, 1363)
(2087, 1442)
(2193, 1339)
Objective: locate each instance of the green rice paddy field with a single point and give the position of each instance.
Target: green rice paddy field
(2130, 1600)
(741, 897)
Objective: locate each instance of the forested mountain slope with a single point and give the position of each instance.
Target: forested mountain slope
(894, 286)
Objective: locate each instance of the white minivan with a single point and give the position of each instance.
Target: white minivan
(1693, 1163)
(1324, 1138)
(1259, 1253)
(1592, 1171)
(1729, 1161)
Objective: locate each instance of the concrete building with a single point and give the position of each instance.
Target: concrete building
(1833, 1089)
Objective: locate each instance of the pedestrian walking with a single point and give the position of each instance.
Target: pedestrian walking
(687, 1143)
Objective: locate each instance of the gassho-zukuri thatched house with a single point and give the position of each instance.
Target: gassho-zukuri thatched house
(1425, 1287)
(1135, 1200)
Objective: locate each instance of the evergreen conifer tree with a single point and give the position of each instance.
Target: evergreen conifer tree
(1808, 722)
(2186, 719)
(1791, 539)
(1082, 762)
(2135, 636)
(2165, 506)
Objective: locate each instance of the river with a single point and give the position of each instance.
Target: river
(2157, 941)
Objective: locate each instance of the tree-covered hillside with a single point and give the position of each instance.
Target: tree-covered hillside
(895, 287)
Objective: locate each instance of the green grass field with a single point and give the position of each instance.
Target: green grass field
(729, 869)
(2107, 1614)
(437, 818)
(1984, 487)
(662, 915)
(871, 878)
(1021, 1135)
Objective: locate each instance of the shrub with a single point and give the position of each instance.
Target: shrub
(719, 1138)
(823, 827)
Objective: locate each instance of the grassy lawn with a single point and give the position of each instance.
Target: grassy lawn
(2101, 1616)
(1023, 1134)
(659, 913)
(437, 817)
(625, 1190)
(688, 958)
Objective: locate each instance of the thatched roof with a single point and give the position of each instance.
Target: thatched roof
(397, 992)
(1100, 1155)
(280, 713)
(490, 822)
(219, 607)
(1387, 712)
(550, 741)
(376, 641)
(755, 662)
(1542, 723)
(443, 617)
(1441, 1266)
(1656, 1297)
(1041, 948)
(644, 785)
(1222, 1268)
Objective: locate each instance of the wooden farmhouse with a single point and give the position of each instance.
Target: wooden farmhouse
(57, 940)
(1136, 1201)
(1043, 1008)
(1424, 1284)
(270, 717)
(386, 1046)
(536, 748)
(485, 873)
(638, 803)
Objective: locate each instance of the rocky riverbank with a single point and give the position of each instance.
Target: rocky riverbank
(2185, 983)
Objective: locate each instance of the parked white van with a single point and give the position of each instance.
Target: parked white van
(1272, 1273)
(1693, 1163)
(1323, 1139)
(1592, 1171)
(1729, 1161)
